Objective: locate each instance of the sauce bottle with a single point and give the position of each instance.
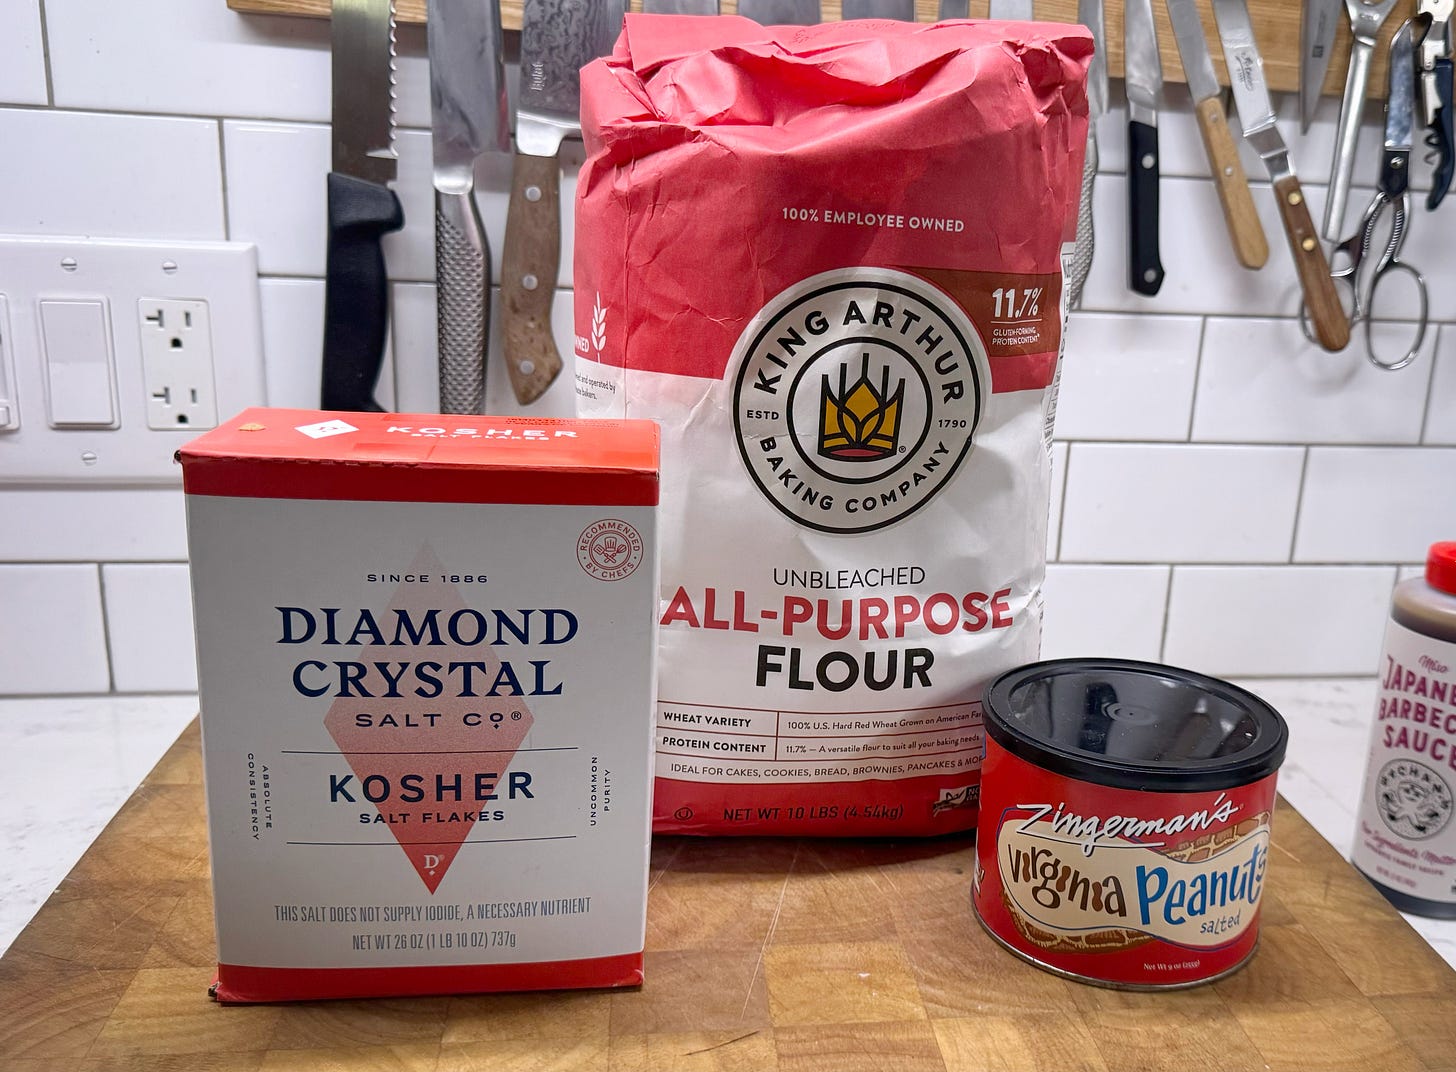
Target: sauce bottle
(1405, 836)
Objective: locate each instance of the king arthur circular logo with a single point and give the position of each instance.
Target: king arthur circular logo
(1413, 800)
(857, 396)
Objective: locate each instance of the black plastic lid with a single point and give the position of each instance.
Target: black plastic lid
(1135, 725)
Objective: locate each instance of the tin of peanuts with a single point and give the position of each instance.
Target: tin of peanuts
(1123, 837)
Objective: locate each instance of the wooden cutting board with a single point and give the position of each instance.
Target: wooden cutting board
(795, 955)
(1276, 25)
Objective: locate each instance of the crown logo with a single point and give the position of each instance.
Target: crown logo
(862, 422)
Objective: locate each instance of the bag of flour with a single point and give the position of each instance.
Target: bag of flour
(828, 261)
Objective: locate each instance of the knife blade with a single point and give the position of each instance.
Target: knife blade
(780, 12)
(362, 208)
(1242, 219)
(1012, 10)
(558, 38)
(1143, 71)
(468, 117)
(904, 10)
(1256, 112)
(680, 7)
(954, 9)
(1090, 14)
(1317, 26)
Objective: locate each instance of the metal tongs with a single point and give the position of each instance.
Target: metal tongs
(1434, 75)
(1366, 18)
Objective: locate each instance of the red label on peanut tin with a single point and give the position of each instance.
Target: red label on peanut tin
(1120, 886)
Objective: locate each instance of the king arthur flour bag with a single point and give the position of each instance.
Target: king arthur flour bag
(828, 261)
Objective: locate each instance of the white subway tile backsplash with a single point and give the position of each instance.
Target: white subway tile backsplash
(1128, 377)
(1106, 611)
(1059, 488)
(293, 337)
(1441, 409)
(109, 175)
(51, 634)
(201, 58)
(1184, 503)
(149, 627)
(1278, 620)
(96, 524)
(1376, 504)
(1202, 274)
(1261, 381)
(22, 54)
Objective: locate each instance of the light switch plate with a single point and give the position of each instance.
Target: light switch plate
(122, 274)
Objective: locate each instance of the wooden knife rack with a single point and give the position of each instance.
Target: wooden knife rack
(1276, 24)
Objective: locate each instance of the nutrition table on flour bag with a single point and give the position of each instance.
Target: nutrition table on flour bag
(748, 743)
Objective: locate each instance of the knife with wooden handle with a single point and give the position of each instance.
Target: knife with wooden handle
(1256, 111)
(468, 117)
(558, 38)
(1242, 219)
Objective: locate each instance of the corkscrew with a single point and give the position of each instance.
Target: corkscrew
(1435, 80)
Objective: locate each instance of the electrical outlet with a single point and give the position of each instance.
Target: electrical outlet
(95, 391)
(177, 363)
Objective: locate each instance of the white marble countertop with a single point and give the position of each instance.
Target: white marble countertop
(67, 765)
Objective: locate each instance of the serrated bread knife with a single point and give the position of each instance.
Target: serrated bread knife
(1256, 112)
(362, 208)
(468, 117)
(1242, 219)
(558, 38)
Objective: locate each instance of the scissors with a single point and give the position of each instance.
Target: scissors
(1393, 192)
(1366, 18)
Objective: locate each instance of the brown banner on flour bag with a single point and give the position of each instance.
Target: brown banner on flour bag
(828, 261)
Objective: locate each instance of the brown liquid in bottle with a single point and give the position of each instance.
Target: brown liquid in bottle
(1427, 606)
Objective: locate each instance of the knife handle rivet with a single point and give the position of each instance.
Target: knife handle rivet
(1228, 170)
(530, 282)
(1149, 276)
(533, 193)
(526, 367)
(1308, 245)
(1149, 160)
(1296, 198)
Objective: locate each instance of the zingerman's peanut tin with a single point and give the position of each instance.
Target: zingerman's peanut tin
(1123, 837)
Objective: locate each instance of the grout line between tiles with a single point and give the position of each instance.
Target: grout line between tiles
(105, 628)
(45, 47)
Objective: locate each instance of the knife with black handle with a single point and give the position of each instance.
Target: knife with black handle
(1144, 75)
(362, 208)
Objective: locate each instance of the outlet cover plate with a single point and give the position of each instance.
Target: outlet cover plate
(223, 274)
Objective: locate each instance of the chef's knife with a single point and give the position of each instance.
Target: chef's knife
(1256, 112)
(362, 208)
(680, 7)
(468, 114)
(1089, 14)
(904, 10)
(1317, 27)
(780, 12)
(1247, 233)
(558, 38)
(1143, 71)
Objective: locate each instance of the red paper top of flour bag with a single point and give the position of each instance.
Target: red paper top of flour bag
(412, 457)
(852, 123)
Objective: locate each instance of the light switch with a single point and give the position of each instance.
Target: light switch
(78, 362)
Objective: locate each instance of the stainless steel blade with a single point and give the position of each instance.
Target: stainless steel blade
(680, 7)
(468, 110)
(1246, 73)
(1317, 27)
(954, 9)
(781, 12)
(1012, 10)
(1090, 15)
(1143, 68)
(904, 10)
(363, 89)
(1400, 105)
(558, 39)
(1193, 48)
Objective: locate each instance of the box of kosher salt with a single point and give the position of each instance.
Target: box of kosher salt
(426, 665)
